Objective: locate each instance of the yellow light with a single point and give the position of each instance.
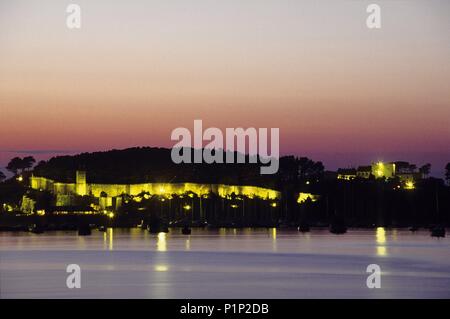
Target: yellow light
(41, 212)
(161, 244)
(274, 239)
(234, 206)
(381, 235)
(409, 185)
(380, 172)
(111, 235)
(161, 268)
(111, 215)
(187, 207)
(273, 204)
(381, 251)
(20, 178)
(302, 197)
(381, 240)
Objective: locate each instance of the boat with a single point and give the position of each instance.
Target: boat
(438, 231)
(338, 226)
(186, 230)
(35, 229)
(303, 228)
(157, 228)
(84, 230)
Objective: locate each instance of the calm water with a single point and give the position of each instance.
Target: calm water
(225, 263)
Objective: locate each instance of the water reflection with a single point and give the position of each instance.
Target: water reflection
(381, 251)
(381, 241)
(394, 234)
(161, 243)
(274, 239)
(381, 235)
(161, 268)
(188, 244)
(205, 264)
(111, 236)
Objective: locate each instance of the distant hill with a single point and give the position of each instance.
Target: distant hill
(147, 164)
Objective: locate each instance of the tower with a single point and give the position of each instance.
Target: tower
(81, 186)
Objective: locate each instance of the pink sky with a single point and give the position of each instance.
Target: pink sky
(136, 70)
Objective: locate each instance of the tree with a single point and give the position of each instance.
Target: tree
(28, 162)
(14, 165)
(2, 176)
(21, 164)
(425, 169)
(447, 173)
(309, 169)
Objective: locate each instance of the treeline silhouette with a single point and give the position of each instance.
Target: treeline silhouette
(359, 202)
(145, 165)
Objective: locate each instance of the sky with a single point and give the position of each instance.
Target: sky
(338, 91)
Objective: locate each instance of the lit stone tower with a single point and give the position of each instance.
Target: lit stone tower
(81, 187)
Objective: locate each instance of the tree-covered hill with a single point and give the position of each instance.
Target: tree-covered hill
(146, 164)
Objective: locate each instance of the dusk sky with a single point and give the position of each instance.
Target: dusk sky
(338, 91)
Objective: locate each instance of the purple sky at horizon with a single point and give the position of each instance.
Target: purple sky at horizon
(136, 70)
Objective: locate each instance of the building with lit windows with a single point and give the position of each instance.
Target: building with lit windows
(406, 173)
(346, 173)
(386, 170)
(364, 171)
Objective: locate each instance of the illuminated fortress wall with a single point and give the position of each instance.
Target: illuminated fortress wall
(113, 190)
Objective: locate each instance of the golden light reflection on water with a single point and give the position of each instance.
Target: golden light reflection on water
(111, 238)
(394, 234)
(82, 242)
(274, 239)
(381, 251)
(161, 243)
(161, 268)
(188, 244)
(274, 234)
(381, 235)
(108, 238)
(381, 241)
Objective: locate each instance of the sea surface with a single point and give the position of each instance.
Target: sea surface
(225, 263)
